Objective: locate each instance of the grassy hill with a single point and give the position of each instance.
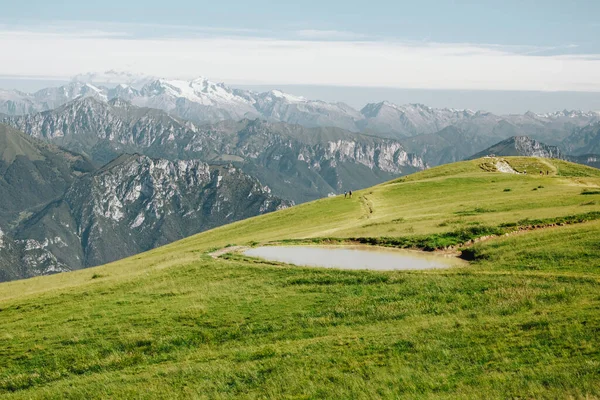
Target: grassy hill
(521, 320)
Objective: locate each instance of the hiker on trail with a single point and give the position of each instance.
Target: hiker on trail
(345, 194)
(541, 172)
(350, 193)
(547, 172)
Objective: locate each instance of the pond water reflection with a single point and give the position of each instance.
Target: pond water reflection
(353, 257)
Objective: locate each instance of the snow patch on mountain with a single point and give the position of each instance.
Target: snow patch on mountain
(570, 114)
(288, 97)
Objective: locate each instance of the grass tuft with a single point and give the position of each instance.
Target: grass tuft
(586, 192)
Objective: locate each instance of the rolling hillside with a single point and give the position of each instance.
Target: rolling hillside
(520, 320)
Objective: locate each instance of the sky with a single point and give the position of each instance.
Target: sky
(462, 46)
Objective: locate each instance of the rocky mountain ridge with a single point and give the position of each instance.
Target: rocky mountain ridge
(582, 147)
(136, 203)
(521, 146)
(318, 160)
(87, 216)
(528, 147)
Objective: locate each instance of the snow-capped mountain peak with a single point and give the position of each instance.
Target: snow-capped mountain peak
(200, 91)
(287, 97)
(101, 93)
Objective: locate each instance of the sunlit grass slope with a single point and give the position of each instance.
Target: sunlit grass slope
(522, 320)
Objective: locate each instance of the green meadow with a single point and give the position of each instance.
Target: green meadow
(521, 319)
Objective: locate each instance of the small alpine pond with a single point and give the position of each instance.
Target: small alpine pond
(354, 257)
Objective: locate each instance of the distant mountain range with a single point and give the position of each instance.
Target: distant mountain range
(61, 213)
(198, 100)
(584, 140)
(203, 101)
(592, 160)
(298, 163)
(436, 136)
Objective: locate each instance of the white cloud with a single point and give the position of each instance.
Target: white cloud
(328, 35)
(243, 59)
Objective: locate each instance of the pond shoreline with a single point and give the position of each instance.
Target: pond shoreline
(354, 257)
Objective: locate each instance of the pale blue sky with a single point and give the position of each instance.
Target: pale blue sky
(551, 23)
(538, 46)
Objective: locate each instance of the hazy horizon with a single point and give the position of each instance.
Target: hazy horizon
(495, 101)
